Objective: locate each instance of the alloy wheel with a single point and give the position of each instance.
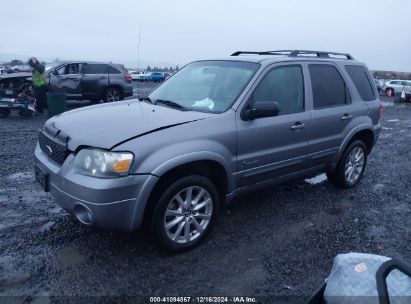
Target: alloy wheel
(113, 95)
(354, 165)
(188, 214)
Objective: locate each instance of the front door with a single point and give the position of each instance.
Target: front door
(67, 79)
(274, 146)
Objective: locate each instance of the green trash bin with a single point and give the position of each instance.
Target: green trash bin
(56, 103)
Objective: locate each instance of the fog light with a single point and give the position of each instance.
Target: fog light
(83, 214)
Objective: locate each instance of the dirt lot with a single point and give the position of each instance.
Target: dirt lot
(280, 241)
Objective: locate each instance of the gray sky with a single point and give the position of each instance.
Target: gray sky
(179, 31)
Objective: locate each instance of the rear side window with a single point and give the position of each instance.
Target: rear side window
(93, 68)
(285, 85)
(113, 70)
(358, 75)
(328, 86)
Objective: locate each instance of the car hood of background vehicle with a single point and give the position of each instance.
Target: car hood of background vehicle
(106, 126)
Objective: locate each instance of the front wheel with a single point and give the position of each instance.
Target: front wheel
(112, 94)
(351, 166)
(185, 213)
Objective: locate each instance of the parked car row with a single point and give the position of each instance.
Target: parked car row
(396, 86)
(146, 77)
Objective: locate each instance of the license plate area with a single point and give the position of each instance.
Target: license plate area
(42, 177)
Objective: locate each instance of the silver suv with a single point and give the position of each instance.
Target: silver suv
(215, 130)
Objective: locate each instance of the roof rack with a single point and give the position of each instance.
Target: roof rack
(295, 53)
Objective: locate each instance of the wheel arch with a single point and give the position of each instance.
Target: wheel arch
(210, 168)
(363, 133)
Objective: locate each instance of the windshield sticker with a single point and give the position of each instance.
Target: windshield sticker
(205, 103)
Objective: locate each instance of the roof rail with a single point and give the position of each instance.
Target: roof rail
(295, 53)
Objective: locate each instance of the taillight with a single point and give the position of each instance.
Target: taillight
(380, 110)
(127, 77)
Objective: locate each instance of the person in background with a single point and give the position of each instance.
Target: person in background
(39, 83)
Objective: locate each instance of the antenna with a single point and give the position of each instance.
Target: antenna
(138, 61)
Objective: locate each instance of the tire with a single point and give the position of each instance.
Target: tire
(180, 216)
(112, 94)
(389, 92)
(25, 113)
(341, 176)
(4, 113)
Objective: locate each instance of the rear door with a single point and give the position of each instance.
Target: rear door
(274, 146)
(332, 112)
(95, 80)
(67, 79)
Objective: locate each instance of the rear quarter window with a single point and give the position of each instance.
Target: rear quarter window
(95, 68)
(359, 76)
(113, 70)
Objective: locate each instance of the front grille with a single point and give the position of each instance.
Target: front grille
(55, 151)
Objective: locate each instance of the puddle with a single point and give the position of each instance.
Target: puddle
(316, 179)
(393, 120)
(338, 211)
(385, 128)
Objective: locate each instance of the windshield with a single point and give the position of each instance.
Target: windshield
(210, 86)
(51, 65)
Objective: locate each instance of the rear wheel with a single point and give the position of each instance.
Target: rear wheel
(351, 166)
(25, 113)
(4, 113)
(185, 213)
(112, 94)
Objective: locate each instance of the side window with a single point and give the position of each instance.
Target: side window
(95, 68)
(285, 85)
(73, 68)
(359, 76)
(328, 86)
(113, 70)
(61, 70)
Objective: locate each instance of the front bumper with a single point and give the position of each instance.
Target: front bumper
(115, 203)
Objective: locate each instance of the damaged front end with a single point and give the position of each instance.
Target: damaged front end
(16, 92)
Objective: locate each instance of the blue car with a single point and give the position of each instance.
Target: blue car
(156, 77)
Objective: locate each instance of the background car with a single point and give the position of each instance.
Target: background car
(93, 81)
(396, 86)
(139, 76)
(156, 77)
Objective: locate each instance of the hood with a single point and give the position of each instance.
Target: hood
(106, 126)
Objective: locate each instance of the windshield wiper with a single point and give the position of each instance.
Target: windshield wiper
(170, 103)
(146, 98)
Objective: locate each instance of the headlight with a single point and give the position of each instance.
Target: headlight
(100, 163)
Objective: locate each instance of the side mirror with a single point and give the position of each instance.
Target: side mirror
(262, 109)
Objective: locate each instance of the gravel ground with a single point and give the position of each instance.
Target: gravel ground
(280, 241)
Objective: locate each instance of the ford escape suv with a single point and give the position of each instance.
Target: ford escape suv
(215, 130)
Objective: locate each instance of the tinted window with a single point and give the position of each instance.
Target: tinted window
(285, 86)
(359, 76)
(113, 70)
(95, 68)
(328, 87)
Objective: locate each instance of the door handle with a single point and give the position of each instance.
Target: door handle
(103, 77)
(346, 116)
(297, 126)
